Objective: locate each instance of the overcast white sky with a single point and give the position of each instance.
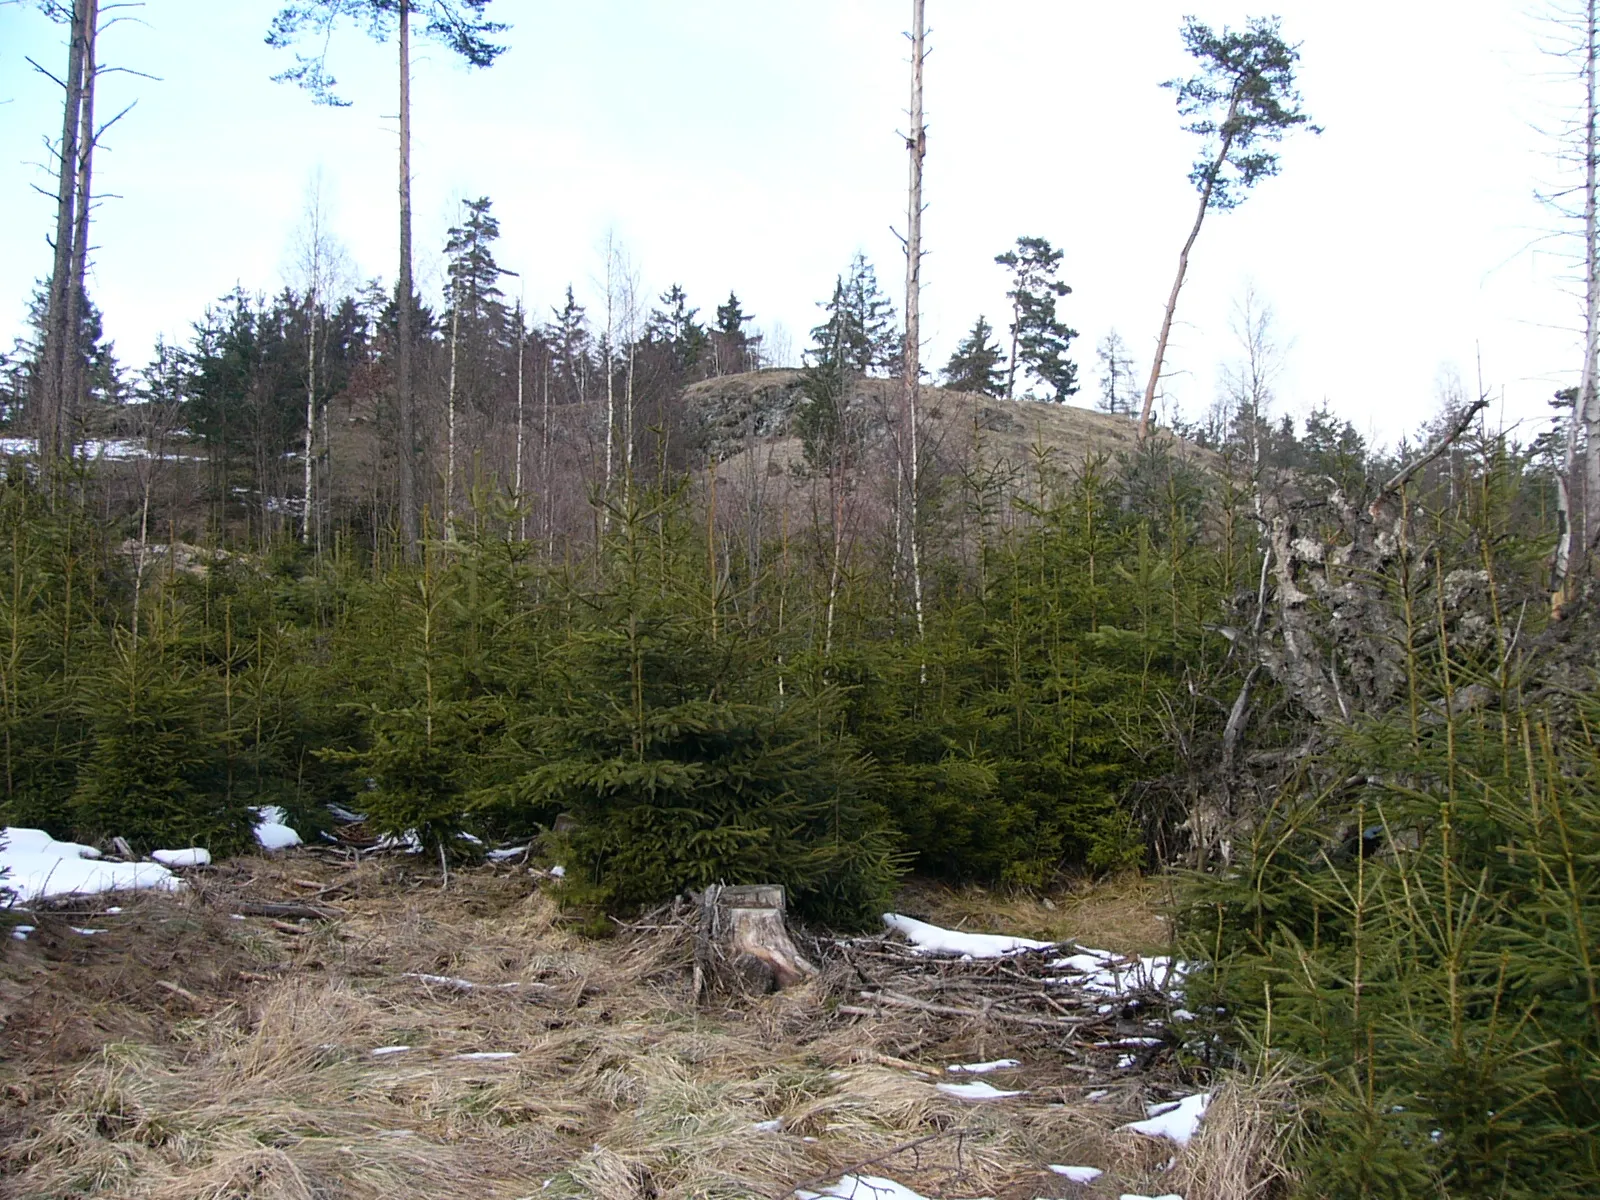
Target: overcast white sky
(751, 144)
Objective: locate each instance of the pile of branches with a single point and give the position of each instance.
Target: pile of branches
(1031, 991)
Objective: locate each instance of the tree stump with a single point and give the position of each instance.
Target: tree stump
(743, 940)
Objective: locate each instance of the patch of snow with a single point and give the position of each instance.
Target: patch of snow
(37, 866)
(410, 843)
(1078, 1174)
(340, 813)
(1177, 1121)
(1165, 1196)
(1097, 1095)
(983, 1068)
(930, 939)
(510, 852)
(975, 1091)
(558, 871)
(863, 1187)
(113, 910)
(772, 1126)
(1124, 1061)
(85, 932)
(272, 829)
(21, 932)
(484, 1055)
(235, 916)
(193, 857)
(385, 1051)
(1110, 974)
(1182, 1014)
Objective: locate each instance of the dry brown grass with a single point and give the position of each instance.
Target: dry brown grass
(256, 1078)
(1126, 913)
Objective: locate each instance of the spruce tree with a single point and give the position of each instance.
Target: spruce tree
(858, 333)
(975, 366)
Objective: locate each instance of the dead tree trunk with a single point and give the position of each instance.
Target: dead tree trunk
(743, 940)
(60, 339)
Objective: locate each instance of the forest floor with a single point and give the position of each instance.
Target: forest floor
(472, 1042)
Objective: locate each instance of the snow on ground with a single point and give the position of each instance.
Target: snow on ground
(1078, 1174)
(21, 932)
(193, 857)
(485, 1056)
(975, 1091)
(1099, 971)
(1112, 974)
(385, 1051)
(272, 828)
(36, 866)
(1177, 1121)
(983, 1068)
(932, 940)
(864, 1187)
(1164, 1196)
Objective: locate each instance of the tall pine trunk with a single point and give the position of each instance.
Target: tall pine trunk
(1183, 269)
(407, 448)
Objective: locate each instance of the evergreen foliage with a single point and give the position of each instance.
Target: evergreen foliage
(975, 365)
(859, 331)
(1039, 340)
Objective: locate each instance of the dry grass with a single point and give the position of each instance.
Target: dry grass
(1127, 913)
(184, 1054)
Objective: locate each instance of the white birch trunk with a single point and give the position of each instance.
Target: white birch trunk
(917, 147)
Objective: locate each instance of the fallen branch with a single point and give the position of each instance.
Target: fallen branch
(896, 1000)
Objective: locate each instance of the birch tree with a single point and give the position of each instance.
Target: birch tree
(461, 27)
(1242, 102)
(911, 358)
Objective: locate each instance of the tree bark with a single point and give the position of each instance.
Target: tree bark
(450, 428)
(743, 939)
(74, 391)
(917, 149)
(59, 337)
(1575, 498)
(1183, 268)
(407, 417)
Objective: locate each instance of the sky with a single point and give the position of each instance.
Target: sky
(754, 145)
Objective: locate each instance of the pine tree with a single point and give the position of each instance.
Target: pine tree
(976, 364)
(1039, 340)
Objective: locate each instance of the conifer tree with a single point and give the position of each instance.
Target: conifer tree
(735, 349)
(1242, 101)
(461, 27)
(1116, 375)
(1039, 340)
(858, 333)
(975, 364)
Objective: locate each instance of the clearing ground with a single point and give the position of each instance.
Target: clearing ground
(470, 1042)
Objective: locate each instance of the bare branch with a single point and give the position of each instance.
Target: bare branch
(1403, 476)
